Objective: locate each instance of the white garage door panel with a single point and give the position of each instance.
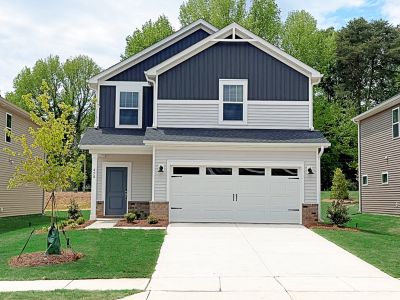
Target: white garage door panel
(235, 198)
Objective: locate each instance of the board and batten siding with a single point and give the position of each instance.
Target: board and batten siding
(24, 200)
(163, 155)
(379, 152)
(141, 177)
(259, 115)
(198, 77)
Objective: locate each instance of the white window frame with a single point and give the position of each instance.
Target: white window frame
(244, 83)
(8, 128)
(362, 180)
(394, 123)
(129, 88)
(387, 174)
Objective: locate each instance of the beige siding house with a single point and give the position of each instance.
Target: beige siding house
(24, 200)
(379, 158)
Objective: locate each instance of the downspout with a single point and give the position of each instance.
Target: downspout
(320, 152)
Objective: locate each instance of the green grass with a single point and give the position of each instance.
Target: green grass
(109, 253)
(377, 242)
(66, 295)
(327, 195)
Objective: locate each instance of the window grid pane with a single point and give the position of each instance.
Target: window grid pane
(9, 121)
(233, 93)
(128, 117)
(395, 116)
(128, 100)
(396, 130)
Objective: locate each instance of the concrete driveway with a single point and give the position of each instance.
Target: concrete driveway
(246, 261)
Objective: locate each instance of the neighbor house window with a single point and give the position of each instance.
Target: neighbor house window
(385, 177)
(365, 180)
(128, 108)
(395, 122)
(233, 101)
(7, 133)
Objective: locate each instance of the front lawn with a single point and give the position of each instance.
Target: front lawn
(66, 295)
(109, 253)
(377, 242)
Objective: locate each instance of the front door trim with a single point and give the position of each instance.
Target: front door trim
(105, 165)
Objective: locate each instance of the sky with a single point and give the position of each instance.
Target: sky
(30, 30)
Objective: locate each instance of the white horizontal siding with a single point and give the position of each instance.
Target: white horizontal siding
(207, 154)
(141, 174)
(261, 114)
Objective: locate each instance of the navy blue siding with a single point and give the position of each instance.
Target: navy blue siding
(147, 119)
(136, 72)
(198, 77)
(107, 107)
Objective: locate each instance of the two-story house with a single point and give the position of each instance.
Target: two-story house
(379, 158)
(27, 199)
(207, 126)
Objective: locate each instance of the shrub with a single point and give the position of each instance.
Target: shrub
(152, 219)
(73, 210)
(339, 190)
(70, 221)
(130, 217)
(338, 213)
(73, 226)
(80, 221)
(63, 224)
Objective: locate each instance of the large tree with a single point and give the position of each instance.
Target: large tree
(264, 20)
(368, 60)
(150, 33)
(302, 39)
(67, 83)
(219, 13)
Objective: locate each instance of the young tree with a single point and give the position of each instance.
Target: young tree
(150, 33)
(264, 20)
(339, 190)
(338, 213)
(59, 167)
(219, 13)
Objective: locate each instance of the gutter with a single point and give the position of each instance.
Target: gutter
(320, 152)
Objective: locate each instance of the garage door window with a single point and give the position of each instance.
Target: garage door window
(284, 172)
(252, 171)
(186, 171)
(219, 171)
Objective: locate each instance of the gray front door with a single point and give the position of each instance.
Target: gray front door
(116, 191)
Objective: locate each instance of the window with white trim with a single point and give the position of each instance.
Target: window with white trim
(364, 180)
(233, 101)
(128, 113)
(395, 122)
(385, 177)
(8, 130)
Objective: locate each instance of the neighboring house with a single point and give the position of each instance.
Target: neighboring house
(207, 126)
(26, 199)
(379, 158)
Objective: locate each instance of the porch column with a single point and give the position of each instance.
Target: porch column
(93, 193)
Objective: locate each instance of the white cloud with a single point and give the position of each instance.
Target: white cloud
(391, 10)
(33, 30)
(321, 10)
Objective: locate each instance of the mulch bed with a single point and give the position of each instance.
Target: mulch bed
(334, 227)
(141, 223)
(40, 259)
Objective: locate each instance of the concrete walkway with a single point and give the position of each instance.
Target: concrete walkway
(110, 223)
(81, 284)
(229, 261)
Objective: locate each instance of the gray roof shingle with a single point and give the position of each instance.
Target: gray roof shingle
(112, 136)
(234, 135)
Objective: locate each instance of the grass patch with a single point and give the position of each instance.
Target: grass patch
(109, 253)
(377, 242)
(66, 295)
(326, 195)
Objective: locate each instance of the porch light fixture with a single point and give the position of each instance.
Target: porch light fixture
(310, 171)
(160, 169)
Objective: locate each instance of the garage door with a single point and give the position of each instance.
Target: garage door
(234, 194)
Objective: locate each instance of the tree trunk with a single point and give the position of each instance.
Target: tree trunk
(53, 205)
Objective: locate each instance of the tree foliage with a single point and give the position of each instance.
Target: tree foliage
(339, 190)
(338, 213)
(150, 33)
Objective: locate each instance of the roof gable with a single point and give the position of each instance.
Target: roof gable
(137, 58)
(395, 100)
(235, 33)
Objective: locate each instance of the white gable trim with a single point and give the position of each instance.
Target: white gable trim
(135, 59)
(246, 36)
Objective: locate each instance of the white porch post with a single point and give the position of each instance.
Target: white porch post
(93, 194)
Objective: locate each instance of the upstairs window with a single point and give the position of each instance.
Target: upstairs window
(128, 108)
(8, 131)
(233, 101)
(385, 177)
(395, 122)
